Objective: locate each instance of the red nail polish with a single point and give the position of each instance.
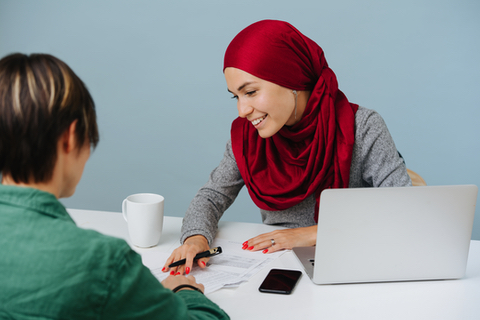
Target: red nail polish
(172, 273)
(178, 273)
(250, 248)
(265, 251)
(245, 246)
(163, 269)
(204, 264)
(245, 243)
(187, 270)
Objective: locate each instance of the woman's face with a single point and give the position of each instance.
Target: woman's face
(266, 105)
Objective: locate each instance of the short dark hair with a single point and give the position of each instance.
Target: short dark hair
(40, 97)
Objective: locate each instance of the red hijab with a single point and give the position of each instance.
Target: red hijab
(315, 153)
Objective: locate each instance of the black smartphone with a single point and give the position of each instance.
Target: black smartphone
(280, 281)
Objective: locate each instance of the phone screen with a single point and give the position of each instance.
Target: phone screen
(280, 281)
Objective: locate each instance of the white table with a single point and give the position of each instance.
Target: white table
(450, 299)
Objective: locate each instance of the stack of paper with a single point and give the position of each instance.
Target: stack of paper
(228, 269)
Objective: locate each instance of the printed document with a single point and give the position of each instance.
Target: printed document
(228, 269)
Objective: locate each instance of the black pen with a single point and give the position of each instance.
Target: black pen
(205, 254)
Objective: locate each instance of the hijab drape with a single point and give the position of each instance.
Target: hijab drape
(315, 153)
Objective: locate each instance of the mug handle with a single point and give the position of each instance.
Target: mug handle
(124, 209)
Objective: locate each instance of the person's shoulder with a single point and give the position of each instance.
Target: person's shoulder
(94, 238)
(367, 118)
(97, 247)
(365, 113)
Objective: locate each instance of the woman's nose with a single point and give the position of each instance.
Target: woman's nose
(244, 109)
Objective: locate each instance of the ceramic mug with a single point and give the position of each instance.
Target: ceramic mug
(144, 215)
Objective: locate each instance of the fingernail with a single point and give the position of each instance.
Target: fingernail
(187, 270)
(204, 264)
(163, 269)
(245, 243)
(178, 273)
(245, 246)
(172, 273)
(250, 248)
(265, 251)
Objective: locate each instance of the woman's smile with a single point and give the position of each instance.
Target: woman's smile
(258, 121)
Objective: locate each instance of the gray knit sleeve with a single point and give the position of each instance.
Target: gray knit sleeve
(375, 159)
(213, 199)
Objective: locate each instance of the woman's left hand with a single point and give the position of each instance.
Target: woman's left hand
(282, 239)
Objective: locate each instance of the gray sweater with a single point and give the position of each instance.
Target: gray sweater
(375, 163)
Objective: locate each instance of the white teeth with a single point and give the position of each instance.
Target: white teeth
(257, 121)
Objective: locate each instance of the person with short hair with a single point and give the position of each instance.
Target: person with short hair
(50, 268)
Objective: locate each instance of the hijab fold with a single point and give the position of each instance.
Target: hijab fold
(315, 153)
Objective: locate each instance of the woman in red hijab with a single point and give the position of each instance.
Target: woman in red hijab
(296, 135)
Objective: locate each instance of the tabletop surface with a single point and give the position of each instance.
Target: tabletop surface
(444, 299)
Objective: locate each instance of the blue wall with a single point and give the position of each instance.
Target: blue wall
(154, 69)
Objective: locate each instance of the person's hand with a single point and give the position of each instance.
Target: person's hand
(191, 246)
(171, 282)
(283, 239)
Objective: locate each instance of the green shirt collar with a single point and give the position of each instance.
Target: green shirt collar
(33, 199)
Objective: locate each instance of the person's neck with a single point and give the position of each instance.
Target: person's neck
(43, 186)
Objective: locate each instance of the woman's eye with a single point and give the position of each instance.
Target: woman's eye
(235, 97)
(249, 93)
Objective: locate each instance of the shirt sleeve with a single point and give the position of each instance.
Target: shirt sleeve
(375, 159)
(213, 199)
(134, 293)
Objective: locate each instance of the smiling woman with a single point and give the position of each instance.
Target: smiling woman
(296, 135)
(266, 105)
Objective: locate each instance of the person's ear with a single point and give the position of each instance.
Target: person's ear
(69, 139)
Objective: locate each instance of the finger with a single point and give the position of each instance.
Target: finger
(270, 242)
(180, 270)
(168, 262)
(202, 263)
(272, 249)
(262, 246)
(173, 256)
(189, 261)
(251, 244)
(173, 271)
(176, 256)
(260, 243)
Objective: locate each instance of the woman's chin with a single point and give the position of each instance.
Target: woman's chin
(265, 133)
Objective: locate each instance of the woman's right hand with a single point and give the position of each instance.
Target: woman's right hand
(190, 248)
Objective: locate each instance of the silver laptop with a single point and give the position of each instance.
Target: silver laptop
(391, 234)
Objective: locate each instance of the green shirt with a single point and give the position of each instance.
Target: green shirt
(51, 269)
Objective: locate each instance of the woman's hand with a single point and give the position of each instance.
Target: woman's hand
(191, 246)
(283, 239)
(171, 282)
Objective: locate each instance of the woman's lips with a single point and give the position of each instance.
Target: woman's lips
(258, 120)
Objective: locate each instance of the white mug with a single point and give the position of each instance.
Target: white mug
(144, 215)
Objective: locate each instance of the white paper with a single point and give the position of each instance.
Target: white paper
(228, 269)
